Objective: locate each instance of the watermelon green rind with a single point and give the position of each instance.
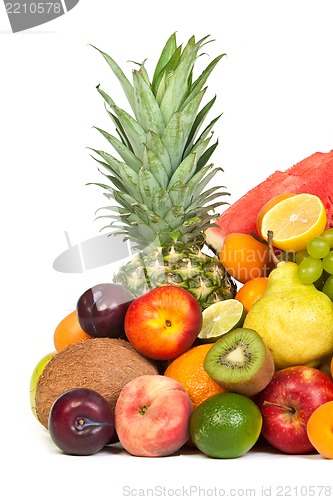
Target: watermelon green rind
(312, 175)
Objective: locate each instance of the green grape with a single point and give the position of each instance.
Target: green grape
(318, 247)
(310, 270)
(302, 254)
(328, 287)
(320, 282)
(328, 263)
(328, 235)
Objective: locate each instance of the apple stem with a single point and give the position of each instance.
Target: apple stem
(287, 408)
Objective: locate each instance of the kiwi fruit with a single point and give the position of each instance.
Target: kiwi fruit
(102, 364)
(241, 362)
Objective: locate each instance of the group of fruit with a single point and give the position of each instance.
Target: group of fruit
(185, 348)
(158, 372)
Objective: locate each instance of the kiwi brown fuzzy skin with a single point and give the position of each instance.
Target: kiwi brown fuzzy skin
(252, 384)
(102, 364)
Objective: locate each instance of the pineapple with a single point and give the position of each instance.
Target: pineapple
(159, 185)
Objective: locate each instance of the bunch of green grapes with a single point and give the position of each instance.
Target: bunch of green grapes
(315, 264)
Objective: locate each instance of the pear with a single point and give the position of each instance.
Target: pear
(294, 320)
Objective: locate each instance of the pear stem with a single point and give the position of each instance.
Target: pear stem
(273, 257)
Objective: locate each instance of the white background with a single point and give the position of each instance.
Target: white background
(275, 90)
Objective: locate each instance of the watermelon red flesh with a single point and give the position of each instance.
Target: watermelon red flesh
(313, 175)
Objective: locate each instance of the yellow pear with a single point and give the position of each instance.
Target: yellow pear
(294, 320)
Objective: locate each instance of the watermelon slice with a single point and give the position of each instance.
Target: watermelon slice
(312, 175)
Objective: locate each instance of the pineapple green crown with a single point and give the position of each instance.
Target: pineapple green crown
(159, 184)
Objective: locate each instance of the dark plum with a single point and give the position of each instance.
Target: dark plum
(81, 422)
(101, 310)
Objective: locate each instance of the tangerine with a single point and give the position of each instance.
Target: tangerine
(251, 291)
(320, 429)
(245, 257)
(188, 369)
(68, 332)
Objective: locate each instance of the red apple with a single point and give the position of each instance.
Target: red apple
(164, 322)
(287, 403)
(152, 416)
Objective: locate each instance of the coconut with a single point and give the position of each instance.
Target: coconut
(102, 364)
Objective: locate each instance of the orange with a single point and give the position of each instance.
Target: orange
(251, 291)
(188, 370)
(320, 429)
(244, 257)
(267, 206)
(68, 332)
(294, 221)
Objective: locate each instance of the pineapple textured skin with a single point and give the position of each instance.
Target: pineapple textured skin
(200, 274)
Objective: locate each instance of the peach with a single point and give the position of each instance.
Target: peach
(152, 416)
(164, 322)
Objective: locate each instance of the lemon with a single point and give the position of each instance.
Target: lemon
(221, 318)
(226, 425)
(294, 221)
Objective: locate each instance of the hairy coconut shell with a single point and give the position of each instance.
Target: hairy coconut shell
(102, 364)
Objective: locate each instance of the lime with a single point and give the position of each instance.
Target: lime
(221, 318)
(226, 425)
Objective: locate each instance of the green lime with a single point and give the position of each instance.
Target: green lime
(226, 425)
(221, 318)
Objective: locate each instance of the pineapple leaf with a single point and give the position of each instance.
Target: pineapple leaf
(152, 163)
(197, 124)
(206, 197)
(200, 180)
(161, 89)
(125, 83)
(178, 193)
(177, 90)
(126, 175)
(155, 144)
(133, 205)
(200, 82)
(131, 133)
(205, 157)
(121, 131)
(116, 209)
(143, 73)
(175, 217)
(185, 170)
(126, 154)
(167, 73)
(114, 118)
(148, 185)
(147, 111)
(166, 54)
(207, 130)
(134, 132)
(203, 212)
(146, 233)
(176, 132)
(161, 202)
